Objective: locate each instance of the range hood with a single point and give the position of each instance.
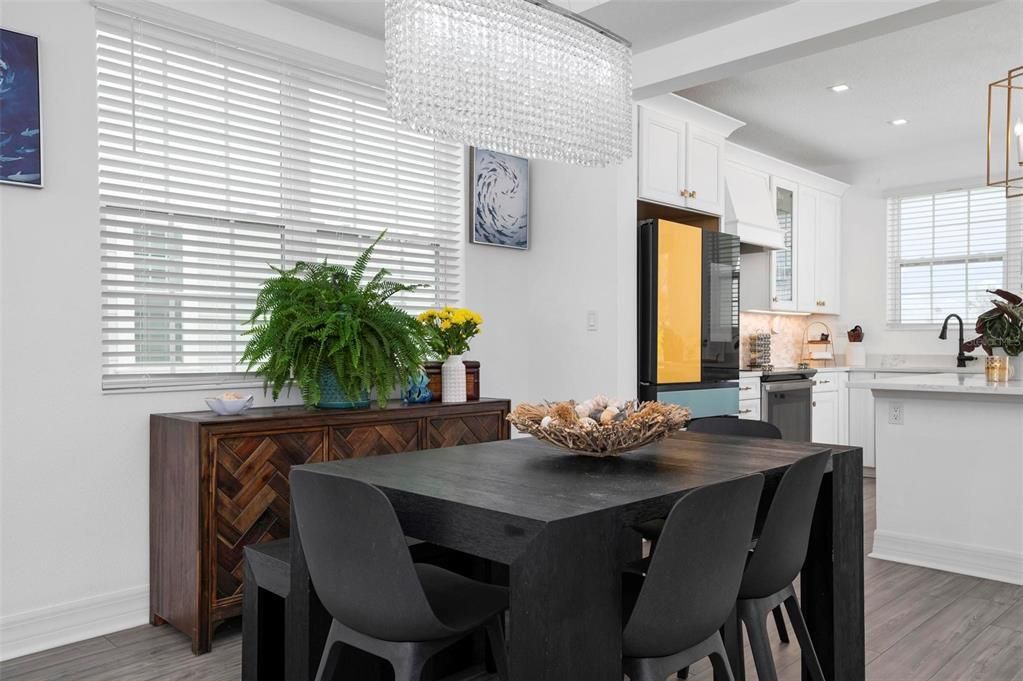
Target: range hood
(749, 209)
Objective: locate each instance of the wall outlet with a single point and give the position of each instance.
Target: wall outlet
(591, 320)
(895, 414)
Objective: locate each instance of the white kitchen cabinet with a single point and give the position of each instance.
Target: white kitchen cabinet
(825, 416)
(705, 172)
(843, 407)
(861, 418)
(826, 254)
(749, 409)
(803, 276)
(680, 164)
(662, 172)
(805, 247)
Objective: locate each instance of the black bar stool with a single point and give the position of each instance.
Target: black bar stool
(673, 615)
(381, 602)
(775, 562)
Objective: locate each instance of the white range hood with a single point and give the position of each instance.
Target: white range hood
(749, 208)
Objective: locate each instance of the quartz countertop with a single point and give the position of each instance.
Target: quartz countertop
(976, 384)
(977, 368)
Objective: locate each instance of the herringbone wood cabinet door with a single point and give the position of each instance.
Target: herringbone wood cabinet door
(353, 442)
(251, 503)
(463, 430)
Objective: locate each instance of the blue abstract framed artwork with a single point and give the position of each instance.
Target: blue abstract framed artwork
(21, 157)
(499, 199)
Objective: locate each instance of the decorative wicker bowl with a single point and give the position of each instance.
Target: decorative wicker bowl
(599, 427)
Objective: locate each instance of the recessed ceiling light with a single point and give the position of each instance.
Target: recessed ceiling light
(841, 87)
(898, 121)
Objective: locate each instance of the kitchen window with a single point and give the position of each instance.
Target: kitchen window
(945, 250)
(219, 159)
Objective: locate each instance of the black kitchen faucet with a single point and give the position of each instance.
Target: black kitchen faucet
(962, 358)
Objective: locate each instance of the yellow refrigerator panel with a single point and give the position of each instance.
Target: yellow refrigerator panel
(679, 301)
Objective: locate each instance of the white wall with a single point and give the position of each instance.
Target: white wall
(864, 245)
(74, 462)
(536, 345)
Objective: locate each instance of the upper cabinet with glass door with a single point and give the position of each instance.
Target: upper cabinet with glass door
(784, 261)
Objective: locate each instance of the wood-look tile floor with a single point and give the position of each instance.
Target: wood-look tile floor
(920, 624)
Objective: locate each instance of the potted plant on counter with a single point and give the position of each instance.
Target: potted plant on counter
(449, 331)
(1001, 329)
(319, 327)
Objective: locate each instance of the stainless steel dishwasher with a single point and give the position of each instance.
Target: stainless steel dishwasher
(786, 401)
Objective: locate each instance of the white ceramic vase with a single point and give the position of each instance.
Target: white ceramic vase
(452, 380)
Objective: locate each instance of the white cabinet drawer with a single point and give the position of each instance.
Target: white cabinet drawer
(749, 388)
(825, 383)
(749, 409)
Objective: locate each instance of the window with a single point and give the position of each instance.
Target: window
(945, 250)
(217, 161)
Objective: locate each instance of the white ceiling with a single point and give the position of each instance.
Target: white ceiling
(652, 23)
(362, 16)
(647, 23)
(935, 75)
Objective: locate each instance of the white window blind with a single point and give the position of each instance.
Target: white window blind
(945, 250)
(217, 161)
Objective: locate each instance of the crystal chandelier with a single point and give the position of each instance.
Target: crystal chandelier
(522, 77)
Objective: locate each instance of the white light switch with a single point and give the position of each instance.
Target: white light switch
(591, 320)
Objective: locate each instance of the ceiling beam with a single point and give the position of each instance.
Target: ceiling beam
(794, 30)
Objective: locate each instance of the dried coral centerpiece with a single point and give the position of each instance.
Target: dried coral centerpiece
(599, 427)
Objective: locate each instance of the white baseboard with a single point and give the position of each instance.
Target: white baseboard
(29, 632)
(966, 559)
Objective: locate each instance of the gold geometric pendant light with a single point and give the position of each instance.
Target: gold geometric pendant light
(1005, 133)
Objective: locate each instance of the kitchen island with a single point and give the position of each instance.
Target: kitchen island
(949, 450)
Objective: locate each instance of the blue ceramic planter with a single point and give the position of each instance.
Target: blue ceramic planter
(333, 397)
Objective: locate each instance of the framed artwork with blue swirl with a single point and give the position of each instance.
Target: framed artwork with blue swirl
(21, 157)
(498, 199)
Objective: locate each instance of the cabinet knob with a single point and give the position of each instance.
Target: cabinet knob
(774, 300)
(814, 404)
(683, 193)
(692, 194)
(746, 388)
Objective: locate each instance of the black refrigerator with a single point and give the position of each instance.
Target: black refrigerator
(689, 317)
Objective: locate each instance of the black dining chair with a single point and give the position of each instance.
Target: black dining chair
(775, 562)
(674, 613)
(724, 425)
(729, 425)
(381, 602)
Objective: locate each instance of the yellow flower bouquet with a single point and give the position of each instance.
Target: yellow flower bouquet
(450, 329)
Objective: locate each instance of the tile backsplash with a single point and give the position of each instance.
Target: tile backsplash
(786, 335)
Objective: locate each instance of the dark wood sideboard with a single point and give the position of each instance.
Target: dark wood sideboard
(219, 483)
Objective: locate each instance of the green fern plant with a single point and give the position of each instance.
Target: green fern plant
(318, 317)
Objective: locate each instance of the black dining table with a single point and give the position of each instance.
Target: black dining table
(562, 524)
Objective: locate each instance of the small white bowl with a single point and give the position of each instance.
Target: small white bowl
(229, 407)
